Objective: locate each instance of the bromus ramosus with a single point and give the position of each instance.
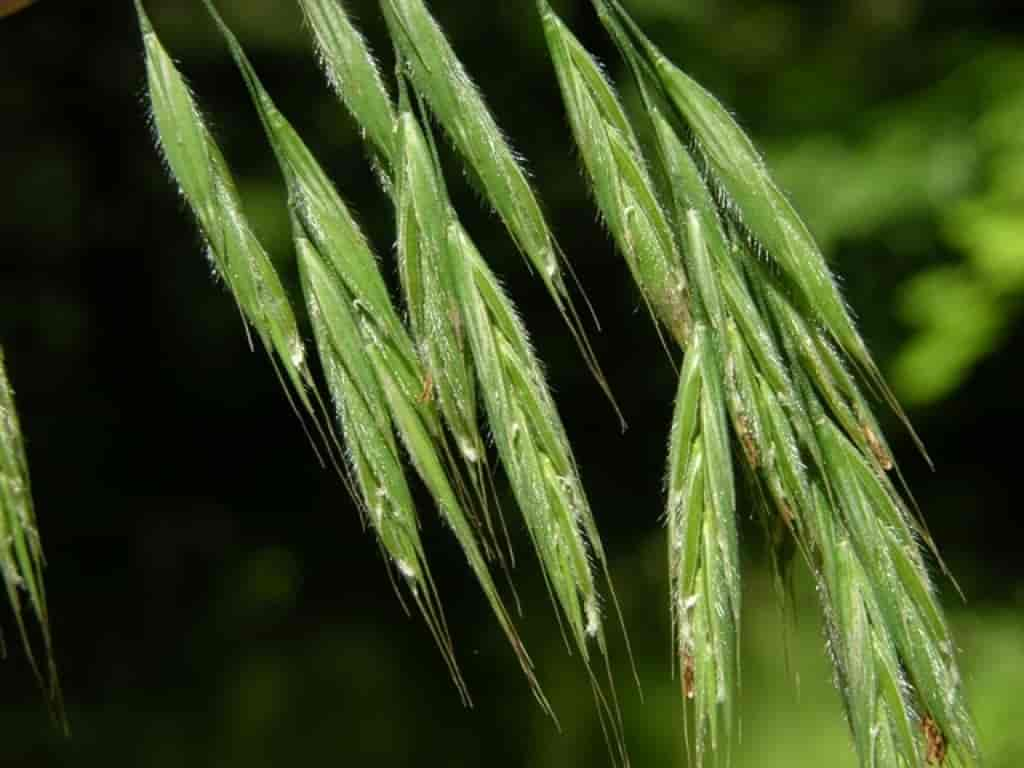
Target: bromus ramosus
(774, 373)
(623, 189)
(776, 348)
(701, 519)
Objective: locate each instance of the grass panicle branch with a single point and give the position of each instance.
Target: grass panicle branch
(367, 356)
(531, 442)
(21, 553)
(786, 351)
(327, 235)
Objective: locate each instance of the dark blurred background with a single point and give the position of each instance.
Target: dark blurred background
(214, 599)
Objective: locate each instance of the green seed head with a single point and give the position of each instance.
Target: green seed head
(622, 187)
(21, 554)
(197, 164)
(531, 441)
(703, 549)
(429, 289)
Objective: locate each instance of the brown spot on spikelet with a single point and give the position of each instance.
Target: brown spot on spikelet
(675, 308)
(456, 317)
(746, 435)
(428, 388)
(787, 513)
(688, 684)
(881, 455)
(935, 741)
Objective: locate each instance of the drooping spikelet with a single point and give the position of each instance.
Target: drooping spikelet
(703, 547)
(21, 553)
(616, 169)
(198, 166)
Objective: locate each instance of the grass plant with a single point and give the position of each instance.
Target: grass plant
(775, 381)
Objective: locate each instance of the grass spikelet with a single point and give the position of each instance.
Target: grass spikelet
(440, 78)
(238, 258)
(749, 195)
(429, 288)
(884, 542)
(327, 235)
(407, 167)
(703, 549)
(421, 211)
(622, 188)
(353, 72)
(21, 553)
(538, 461)
(867, 664)
(373, 456)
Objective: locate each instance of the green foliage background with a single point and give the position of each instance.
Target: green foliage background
(214, 601)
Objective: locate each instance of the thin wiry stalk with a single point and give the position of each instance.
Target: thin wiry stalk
(440, 78)
(524, 421)
(21, 553)
(365, 326)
